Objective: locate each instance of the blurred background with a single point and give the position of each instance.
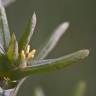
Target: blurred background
(80, 35)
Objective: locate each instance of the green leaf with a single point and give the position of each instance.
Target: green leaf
(52, 41)
(51, 64)
(5, 66)
(13, 48)
(4, 29)
(24, 40)
(80, 89)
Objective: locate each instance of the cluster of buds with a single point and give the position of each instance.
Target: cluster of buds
(26, 55)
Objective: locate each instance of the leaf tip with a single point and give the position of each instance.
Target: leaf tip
(34, 14)
(82, 83)
(34, 18)
(62, 28)
(86, 52)
(13, 34)
(66, 24)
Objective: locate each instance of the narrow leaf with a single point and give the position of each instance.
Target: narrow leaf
(13, 48)
(51, 64)
(53, 40)
(24, 40)
(4, 29)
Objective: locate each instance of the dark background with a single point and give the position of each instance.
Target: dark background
(81, 34)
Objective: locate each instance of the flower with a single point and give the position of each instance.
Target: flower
(26, 56)
(16, 59)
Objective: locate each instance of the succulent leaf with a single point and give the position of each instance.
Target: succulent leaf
(52, 41)
(5, 65)
(50, 64)
(25, 39)
(4, 29)
(13, 48)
